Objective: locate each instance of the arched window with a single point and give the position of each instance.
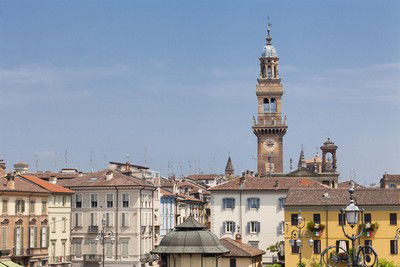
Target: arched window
(273, 105)
(269, 72)
(275, 72)
(266, 105)
(263, 71)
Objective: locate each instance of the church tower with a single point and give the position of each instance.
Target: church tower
(269, 127)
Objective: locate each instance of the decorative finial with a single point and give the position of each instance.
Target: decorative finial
(269, 37)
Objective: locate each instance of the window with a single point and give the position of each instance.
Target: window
(394, 249)
(229, 227)
(53, 247)
(269, 72)
(64, 248)
(125, 248)
(78, 201)
(392, 186)
(344, 244)
(32, 206)
(228, 203)
(317, 218)
(266, 105)
(367, 218)
(109, 249)
(110, 200)
(4, 237)
(125, 200)
(53, 225)
(295, 248)
(367, 249)
(5, 206)
(254, 244)
(281, 228)
(19, 206)
(294, 219)
(317, 246)
(341, 219)
(44, 207)
(32, 237)
(281, 202)
(78, 219)
(273, 105)
(64, 200)
(64, 224)
(93, 219)
(232, 262)
(78, 248)
(93, 200)
(393, 218)
(43, 235)
(253, 227)
(109, 219)
(125, 219)
(253, 203)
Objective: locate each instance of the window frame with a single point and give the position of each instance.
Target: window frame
(110, 202)
(317, 215)
(229, 225)
(394, 247)
(316, 246)
(393, 221)
(294, 219)
(228, 203)
(78, 197)
(94, 201)
(253, 203)
(125, 203)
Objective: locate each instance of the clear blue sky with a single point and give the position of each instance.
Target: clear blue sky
(178, 77)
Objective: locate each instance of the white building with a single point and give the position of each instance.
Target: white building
(128, 205)
(254, 208)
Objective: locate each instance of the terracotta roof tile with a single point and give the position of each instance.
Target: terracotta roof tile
(392, 177)
(238, 249)
(21, 185)
(279, 183)
(203, 176)
(340, 197)
(346, 185)
(54, 188)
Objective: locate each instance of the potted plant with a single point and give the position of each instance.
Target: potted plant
(315, 228)
(369, 228)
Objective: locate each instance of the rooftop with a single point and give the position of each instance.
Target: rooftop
(341, 197)
(54, 188)
(256, 183)
(21, 185)
(239, 249)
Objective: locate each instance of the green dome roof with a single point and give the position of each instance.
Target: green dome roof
(190, 237)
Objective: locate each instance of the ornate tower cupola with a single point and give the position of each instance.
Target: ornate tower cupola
(329, 156)
(229, 170)
(270, 126)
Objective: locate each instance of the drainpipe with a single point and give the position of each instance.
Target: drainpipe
(116, 224)
(327, 229)
(240, 212)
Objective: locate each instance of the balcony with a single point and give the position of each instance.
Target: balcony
(92, 258)
(60, 259)
(93, 229)
(18, 252)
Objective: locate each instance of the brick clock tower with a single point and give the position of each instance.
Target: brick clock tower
(269, 127)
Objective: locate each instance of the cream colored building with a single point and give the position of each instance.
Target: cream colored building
(127, 204)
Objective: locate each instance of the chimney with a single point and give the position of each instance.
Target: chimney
(238, 238)
(109, 175)
(10, 180)
(53, 179)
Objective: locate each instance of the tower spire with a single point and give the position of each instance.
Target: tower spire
(269, 37)
(302, 161)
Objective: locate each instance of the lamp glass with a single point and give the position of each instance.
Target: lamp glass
(298, 242)
(352, 212)
(311, 242)
(299, 219)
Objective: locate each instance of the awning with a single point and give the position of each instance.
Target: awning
(9, 264)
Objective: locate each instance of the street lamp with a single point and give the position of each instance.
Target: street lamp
(397, 236)
(103, 234)
(360, 256)
(297, 235)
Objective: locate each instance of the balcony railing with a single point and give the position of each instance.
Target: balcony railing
(18, 251)
(92, 257)
(93, 229)
(60, 259)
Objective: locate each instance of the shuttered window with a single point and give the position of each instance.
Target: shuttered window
(125, 219)
(253, 203)
(253, 227)
(394, 249)
(78, 201)
(229, 227)
(317, 246)
(110, 200)
(125, 200)
(125, 248)
(4, 237)
(228, 203)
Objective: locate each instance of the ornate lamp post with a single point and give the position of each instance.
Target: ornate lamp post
(397, 236)
(297, 235)
(359, 256)
(103, 234)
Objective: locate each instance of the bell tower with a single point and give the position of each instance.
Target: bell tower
(269, 127)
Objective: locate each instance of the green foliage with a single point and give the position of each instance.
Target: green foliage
(301, 264)
(386, 263)
(274, 248)
(311, 226)
(274, 265)
(314, 263)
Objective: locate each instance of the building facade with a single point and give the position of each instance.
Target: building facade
(253, 207)
(127, 205)
(24, 236)
(320, 209)
(390, 181)
(59, 221)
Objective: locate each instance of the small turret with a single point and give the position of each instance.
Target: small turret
(302, 160)
(229, 170)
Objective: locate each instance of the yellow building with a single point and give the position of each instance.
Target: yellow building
(320, 210)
